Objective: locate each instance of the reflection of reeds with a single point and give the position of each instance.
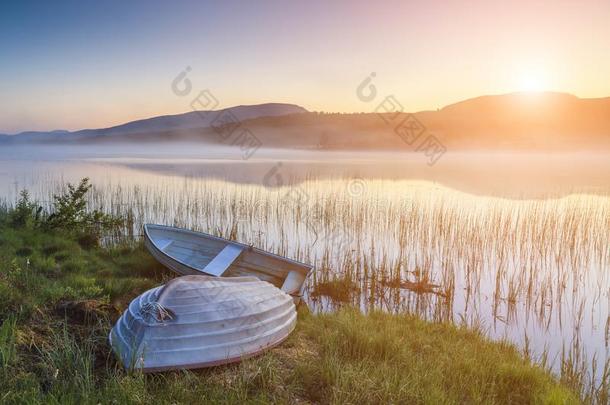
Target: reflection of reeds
(401, 246)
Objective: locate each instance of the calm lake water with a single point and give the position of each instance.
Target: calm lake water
(517, 244)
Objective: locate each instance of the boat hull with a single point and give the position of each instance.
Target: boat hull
(194, 253)
(201, 321)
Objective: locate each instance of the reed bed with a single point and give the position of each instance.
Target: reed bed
(535, 272)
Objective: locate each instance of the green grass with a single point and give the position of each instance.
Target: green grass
(8, 348)
(56, 312)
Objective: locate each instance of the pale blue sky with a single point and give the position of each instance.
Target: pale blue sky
(78, 64)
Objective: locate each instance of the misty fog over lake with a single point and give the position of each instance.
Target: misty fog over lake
(503, 174)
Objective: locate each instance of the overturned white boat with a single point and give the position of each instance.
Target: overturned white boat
(189, 252)
(202, 321)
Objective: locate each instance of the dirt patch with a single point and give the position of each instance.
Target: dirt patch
(87, 312)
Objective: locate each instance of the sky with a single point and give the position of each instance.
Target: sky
(84, 64)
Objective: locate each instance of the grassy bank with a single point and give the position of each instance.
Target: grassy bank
(60, 294)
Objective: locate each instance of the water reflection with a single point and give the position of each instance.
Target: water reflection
(382, 235)
(511, 175)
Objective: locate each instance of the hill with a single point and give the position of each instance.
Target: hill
(189, 120)
(522, 121)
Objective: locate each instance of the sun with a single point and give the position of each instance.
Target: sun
(532, 83)
(532, 80)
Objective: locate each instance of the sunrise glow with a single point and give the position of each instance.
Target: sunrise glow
(429, 55)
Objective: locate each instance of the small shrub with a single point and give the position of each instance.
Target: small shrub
(70, 213)
(26, 213)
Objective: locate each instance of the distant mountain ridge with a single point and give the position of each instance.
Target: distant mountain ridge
(531, 121)
(189, 120)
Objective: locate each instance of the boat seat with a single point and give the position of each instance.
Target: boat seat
(223, 260)
(164, 244)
